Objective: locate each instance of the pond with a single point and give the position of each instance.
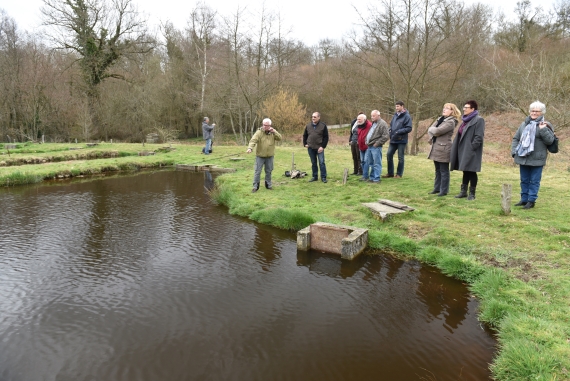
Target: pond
(143, 278)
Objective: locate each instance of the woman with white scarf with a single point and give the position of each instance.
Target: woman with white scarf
(529, 149)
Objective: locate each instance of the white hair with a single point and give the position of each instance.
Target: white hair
(537, 105)
(266, 120)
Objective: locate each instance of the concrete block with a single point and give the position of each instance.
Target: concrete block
(304, 239)
(346, 241)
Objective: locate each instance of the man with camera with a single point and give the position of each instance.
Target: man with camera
(208, 134)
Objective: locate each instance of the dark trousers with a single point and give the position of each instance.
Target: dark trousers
(401, 148)
(470, 178)
(356, 158)
(441, 182)
(314, 155)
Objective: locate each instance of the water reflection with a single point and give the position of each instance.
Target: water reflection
(142, 278)
(330, 265)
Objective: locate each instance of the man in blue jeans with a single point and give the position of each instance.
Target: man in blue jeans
(400, 127)
(207, 133)
(315, 139)
(376, 137)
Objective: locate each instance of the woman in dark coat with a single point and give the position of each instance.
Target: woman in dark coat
(529, 149)
(467, 148)
(440, 133)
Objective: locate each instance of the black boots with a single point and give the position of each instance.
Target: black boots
(463, 192)
(268, 186)
(471, 196)
(434, 191)
(529, 205)
(521, 203)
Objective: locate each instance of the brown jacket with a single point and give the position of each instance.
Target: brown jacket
(441, 149)
(380, 134)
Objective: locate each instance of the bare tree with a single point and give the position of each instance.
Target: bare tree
(518, 79)
(417, 48)
(201, 30)
(99, 33)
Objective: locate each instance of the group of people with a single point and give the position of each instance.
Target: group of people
(367, 138)
(464, 152)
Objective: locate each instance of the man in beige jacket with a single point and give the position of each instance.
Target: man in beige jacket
(264, 141)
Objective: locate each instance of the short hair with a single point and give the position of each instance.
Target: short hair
(266, 120)
(400, 103)
(539, 105)
(473, 104)
(318, 113)
(454, 110)
(206, 119)
(374, 111)
(363, 114)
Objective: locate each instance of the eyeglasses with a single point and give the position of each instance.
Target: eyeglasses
(464, 107)
(536, 111)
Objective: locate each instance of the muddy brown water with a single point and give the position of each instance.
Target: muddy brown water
(142, 278)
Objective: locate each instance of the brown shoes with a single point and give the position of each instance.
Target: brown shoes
(387, 176)
(397, 177)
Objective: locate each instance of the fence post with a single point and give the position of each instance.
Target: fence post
(506, 195)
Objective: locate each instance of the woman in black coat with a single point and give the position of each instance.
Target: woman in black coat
(467, 148)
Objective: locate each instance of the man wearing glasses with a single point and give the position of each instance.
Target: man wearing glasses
(315, 139)
(264, 141)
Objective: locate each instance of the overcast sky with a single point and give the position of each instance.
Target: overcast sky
(310, 20)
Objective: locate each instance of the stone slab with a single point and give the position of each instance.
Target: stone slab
(383, 209)
(202, 168)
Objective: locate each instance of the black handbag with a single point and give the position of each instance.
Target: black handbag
(553, 148)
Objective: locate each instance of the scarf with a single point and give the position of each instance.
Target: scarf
(437, 123)
(526, 143)
(466, 119)
(354, 126)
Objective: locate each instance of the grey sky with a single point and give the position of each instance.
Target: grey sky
(310, 21)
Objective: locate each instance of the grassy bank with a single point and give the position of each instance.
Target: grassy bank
(516, 264)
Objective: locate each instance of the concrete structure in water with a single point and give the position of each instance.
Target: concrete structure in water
(202, 168)
(347, 241)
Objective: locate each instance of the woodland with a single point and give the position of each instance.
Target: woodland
(95, 71)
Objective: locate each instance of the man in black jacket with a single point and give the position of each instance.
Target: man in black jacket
(315, 139)
(400, 127)
(353, 141)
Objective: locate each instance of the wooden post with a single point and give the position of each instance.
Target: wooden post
(293, 163)
(506, 195)
(345, 176)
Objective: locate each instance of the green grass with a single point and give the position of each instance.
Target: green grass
(516, 264)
